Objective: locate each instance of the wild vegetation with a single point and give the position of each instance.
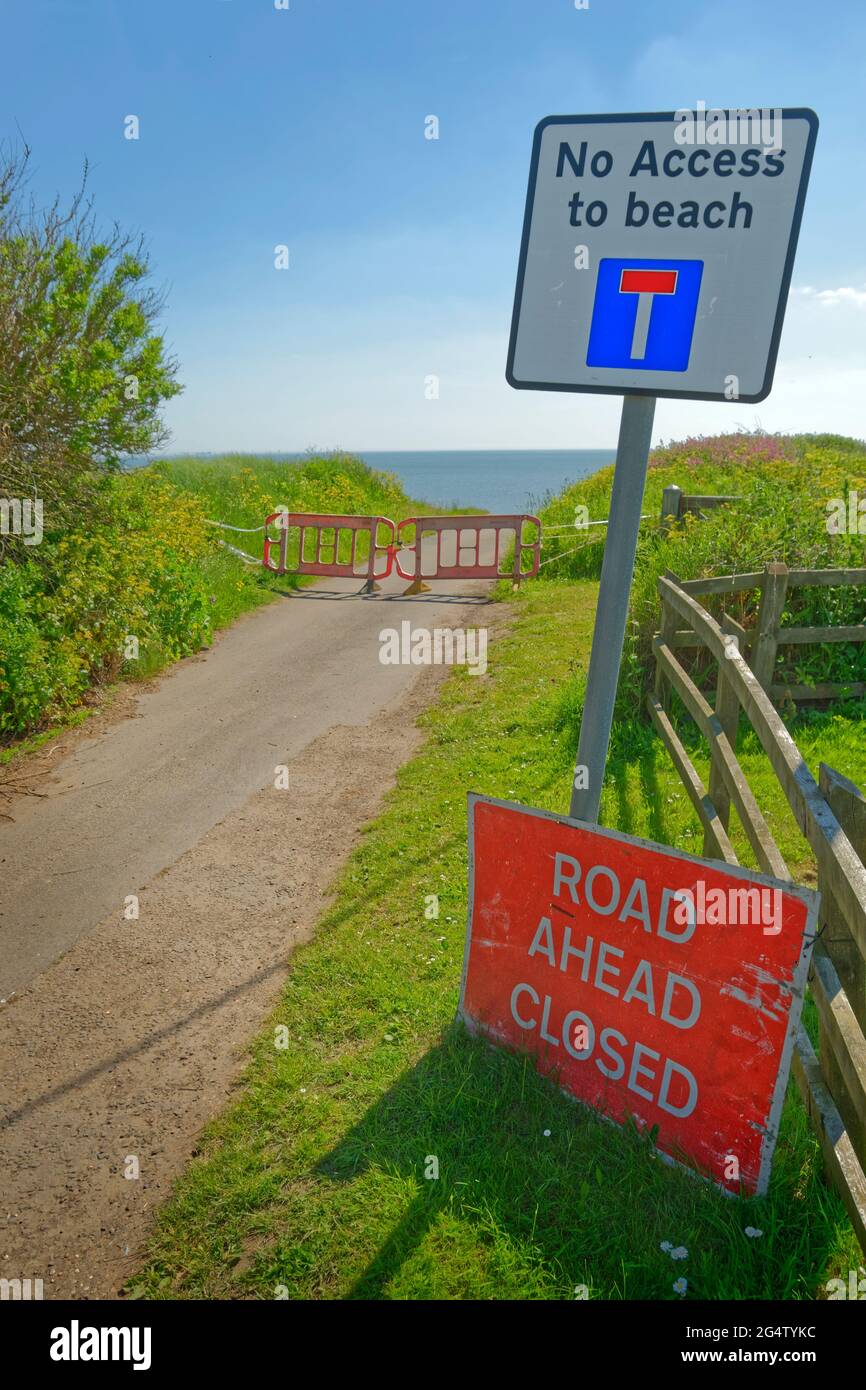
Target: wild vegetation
(83, 368)
(143, 562)
(784, 485)
(84, 374)
(317, 1182)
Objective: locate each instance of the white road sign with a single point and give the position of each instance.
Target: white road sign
(657, 252)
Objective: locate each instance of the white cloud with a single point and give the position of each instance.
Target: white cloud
(806, 398)
(846, 294)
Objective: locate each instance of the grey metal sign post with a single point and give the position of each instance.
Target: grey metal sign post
(620, 547)
(656, 258)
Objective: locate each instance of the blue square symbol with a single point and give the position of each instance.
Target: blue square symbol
(644, 314)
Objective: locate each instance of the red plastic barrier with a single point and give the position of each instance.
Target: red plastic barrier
(456, 552)
(466, 560)
(312, 526)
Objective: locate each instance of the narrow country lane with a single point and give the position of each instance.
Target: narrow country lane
(120, 1038)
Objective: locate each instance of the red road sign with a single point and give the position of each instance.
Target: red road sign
(645, 981)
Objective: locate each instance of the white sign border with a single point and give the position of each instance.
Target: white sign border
(808, 896)
(789, 113)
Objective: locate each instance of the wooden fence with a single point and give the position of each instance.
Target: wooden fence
(832, 817)
(762, 645)
(676, 503)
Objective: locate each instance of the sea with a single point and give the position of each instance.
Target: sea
(496, 480)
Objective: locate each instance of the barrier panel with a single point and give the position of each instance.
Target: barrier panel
(476, 551)
(463, 547)
(335, 554)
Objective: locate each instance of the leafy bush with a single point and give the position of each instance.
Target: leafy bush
(83, 373)
(64, 617)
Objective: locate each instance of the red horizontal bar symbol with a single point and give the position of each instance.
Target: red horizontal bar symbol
(648, 282)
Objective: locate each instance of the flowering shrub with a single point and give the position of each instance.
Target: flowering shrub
(725, 451)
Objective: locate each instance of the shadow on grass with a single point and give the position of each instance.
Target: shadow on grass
(620, 771)
(557, 1193)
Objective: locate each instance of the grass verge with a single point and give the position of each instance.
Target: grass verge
(315, 1182)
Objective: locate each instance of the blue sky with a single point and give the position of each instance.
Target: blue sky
(305, 127)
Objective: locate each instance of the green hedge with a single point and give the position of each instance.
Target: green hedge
(67, 609)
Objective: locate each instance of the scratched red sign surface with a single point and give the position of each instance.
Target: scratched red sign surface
(645, 981)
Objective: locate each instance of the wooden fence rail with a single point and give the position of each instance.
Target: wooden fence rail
(831, 816)
(763, 642)
(675, 503)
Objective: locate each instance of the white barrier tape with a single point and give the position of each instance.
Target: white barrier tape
(241, 554)
(562, 554)
(573, 527)
(247, 530)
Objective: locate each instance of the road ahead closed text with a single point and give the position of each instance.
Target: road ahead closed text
(648, 983)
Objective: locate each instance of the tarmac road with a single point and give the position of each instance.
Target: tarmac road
(126, 804)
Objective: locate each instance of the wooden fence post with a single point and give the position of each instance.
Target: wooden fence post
(848, 805)
(774, 588)
(671, 503)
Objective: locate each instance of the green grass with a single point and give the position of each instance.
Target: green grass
(242, 489)
(313, 1184)
(24, 746)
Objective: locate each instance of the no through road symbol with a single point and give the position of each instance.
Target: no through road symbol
(644, 314)
(646, 284)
